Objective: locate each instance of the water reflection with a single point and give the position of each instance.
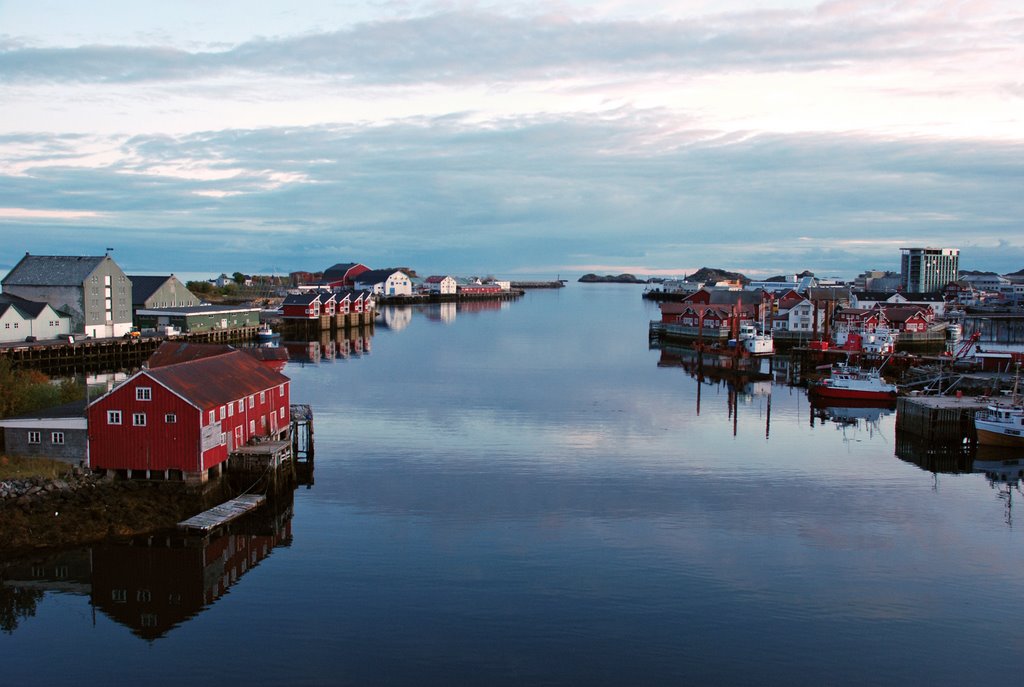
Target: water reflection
(150, 584)
(329, 347)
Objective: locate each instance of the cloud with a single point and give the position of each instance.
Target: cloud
(444, 194)
(478, 46)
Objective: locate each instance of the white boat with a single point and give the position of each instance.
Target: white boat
(754, 343)
(1002, 424)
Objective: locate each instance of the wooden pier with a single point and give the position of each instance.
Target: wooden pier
(96, 355)
(222, 514)
(939, 419)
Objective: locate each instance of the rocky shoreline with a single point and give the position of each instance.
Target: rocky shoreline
(83, 508)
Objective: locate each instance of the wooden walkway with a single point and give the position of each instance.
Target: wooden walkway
(222, 514)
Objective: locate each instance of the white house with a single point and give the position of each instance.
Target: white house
(20, 319)
(443, 285)
(385, 282)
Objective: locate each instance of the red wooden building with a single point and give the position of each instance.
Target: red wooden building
(302, 306)
(182, 421)
(479, 289)
(909, 319)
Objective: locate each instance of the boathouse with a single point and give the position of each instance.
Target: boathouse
(182, 421)
(302, 306)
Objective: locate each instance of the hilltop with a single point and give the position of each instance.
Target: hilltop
(714, 274)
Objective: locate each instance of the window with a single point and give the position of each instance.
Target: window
(263, 397)
(252, 426)
(280, 390)
(139, 419)
(143, 393)
(281, 413)
(119, 596)
(34, 437)
(231, 410)
(57, 437)
(113, 417)
(143, 595)
(223, 412)
(241, 406)
(252, 401)
(213, 417)
(170, 418)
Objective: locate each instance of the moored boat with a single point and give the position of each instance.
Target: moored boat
(1002, 424)
(853, 383)
(265, 333)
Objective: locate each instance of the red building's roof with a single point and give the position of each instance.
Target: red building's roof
(216, 380)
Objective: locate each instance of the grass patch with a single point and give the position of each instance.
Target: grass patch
(15, 467)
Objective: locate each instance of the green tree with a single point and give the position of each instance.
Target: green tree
(199, 288)
(22, 391)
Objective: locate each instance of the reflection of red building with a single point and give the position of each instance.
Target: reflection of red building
(153, 584)
(480, 306)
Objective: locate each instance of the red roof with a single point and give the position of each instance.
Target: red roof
(213, 381)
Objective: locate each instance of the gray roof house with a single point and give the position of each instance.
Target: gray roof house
(92, 289)
(164, 291)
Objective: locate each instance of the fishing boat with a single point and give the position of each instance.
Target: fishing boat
(853, 383)
(265, 333)
(1002, 424)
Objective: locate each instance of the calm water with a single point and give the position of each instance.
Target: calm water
(524, 495)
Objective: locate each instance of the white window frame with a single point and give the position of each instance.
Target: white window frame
(170, 418)
(138, 419)
(143, 393)
(231, 410)
(213, 417)
(252, 401)
(35, 437)
(114, 417)
(57, 438)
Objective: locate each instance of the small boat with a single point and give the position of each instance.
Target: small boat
(754, 343)
(855, 383)
(265, 333)
(1002, 424)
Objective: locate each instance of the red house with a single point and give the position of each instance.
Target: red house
(479, 289)
(908, 319)
(301, 306)
(859, 319)
(182, 421)
(343, 274)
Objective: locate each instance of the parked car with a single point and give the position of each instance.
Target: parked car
(30, 339)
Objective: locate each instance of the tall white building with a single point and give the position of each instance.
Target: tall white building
(923, 270)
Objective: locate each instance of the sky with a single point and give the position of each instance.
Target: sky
(513, 138)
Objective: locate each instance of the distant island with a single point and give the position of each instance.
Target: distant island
(612, 279)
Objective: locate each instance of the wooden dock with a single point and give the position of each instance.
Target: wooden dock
(939, 419)
(222, 514)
